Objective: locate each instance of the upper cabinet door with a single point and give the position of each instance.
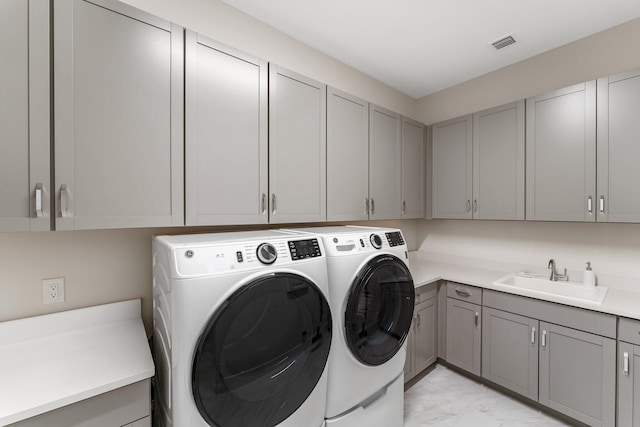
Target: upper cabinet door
(347, 157)
(618, 198)
(297, 147)
(413, 161)
(385, 157)
(452, 168)
(24, 116)
(119, 117)
(561, 154)
(498, 162)
(226, 135)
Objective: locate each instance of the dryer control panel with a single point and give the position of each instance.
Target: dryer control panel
(301, 249)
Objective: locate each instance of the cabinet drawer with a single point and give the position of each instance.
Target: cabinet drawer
(467, 293)
(629, 330)
(426, 292)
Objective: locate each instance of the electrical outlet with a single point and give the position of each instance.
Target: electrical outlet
(53, 290)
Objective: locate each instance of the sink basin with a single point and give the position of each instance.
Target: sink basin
(536, 286)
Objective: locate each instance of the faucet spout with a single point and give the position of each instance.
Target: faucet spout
(552, 267)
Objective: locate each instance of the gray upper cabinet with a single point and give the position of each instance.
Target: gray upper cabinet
(498, 163)
(24, 116)
(578, 374)
(385, 157)
(119, 117)
(452, 168)
(618, 197)
(297, 147)
(347, 157)
(226, 134)
(510, 351)
(413, 169)
(561, 154)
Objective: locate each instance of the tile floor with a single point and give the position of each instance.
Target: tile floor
(446, 398)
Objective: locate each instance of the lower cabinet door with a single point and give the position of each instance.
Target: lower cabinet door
(463, 335)
(628, 385)
(409, 371)
(510, 351)
(578, 374)
(424, 344)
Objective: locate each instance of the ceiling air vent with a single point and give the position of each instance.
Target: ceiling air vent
(503, 42)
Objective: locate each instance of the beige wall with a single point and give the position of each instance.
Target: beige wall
(228, 25)
(610, 51)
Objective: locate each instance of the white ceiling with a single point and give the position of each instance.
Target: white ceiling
(422, 46)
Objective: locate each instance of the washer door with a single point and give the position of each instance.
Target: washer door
(262, 353)
(379, 310)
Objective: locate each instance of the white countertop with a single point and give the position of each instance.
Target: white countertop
(50, 361)
(425, 270)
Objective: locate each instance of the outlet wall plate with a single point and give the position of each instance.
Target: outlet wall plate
(53, 290)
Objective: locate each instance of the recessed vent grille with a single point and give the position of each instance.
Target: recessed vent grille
(503, 42)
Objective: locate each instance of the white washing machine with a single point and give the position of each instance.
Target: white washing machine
(372, 297)
(242, 330)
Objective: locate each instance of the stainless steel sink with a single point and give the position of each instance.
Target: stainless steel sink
(539, 286)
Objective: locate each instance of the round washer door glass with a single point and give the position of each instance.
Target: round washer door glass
(379, 310)
(262, 352)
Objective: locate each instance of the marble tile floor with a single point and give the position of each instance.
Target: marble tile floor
(446, 398)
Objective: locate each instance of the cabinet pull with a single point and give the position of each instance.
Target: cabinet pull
(590, 204)
(404, 207)
(463, 292)
(264, 204)
(468, 206)
(477, 319)
(475, 206)
(373, 206)
(366, 206)
(38, 195)
(418, 318)
(544, 339)
(533, 335)
(64, 201)
(626, 363)
(601, 204)
(273, 204)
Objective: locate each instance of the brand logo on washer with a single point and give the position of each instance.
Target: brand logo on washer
(188, 253)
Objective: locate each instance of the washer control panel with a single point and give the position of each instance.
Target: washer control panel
(376, 241)
(394, 238)
(266, 253)
(302, 249)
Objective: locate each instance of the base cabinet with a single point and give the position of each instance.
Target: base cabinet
(629, 373)
(510, 351)
(422, 338)
(464, 327)
(577, 374)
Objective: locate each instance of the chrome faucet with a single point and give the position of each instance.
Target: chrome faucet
(555, 276)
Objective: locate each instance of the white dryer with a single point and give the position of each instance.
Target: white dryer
(242, 330)
(372, 298)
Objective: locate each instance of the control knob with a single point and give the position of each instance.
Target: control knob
(266, 253)
(376, 241)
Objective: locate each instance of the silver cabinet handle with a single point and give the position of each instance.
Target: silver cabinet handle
(468, 206)
(264, 204)
(533, 335)
(463, 293)
(601, 204)
(366, 206)
(39, 208)
(373, 206)
(273, 203)
(475, 206)
(625, 358)
(477, 319)
(418, 323)
(404, 207)
(544, 339)
(590, 204)
(64, 201)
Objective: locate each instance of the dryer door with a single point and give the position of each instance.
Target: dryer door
(379, 310)
(262, 353)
